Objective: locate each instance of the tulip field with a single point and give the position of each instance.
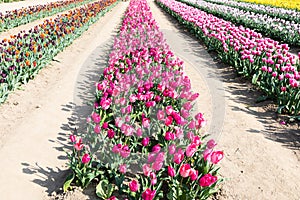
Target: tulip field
(25, 53)
(293, 4)
(145, 136)
(265, 61)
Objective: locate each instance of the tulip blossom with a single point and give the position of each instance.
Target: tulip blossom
(96, 117)
(156, 148)
(193, 174)
(168, 120)
(123, 168)
(145, 141)
(85, 158)
(216, 156)
(73, 138)
(147, 169)
(171, 171)
(191, 149)
(160, 115)
(78, 146)
(172, 149)
(185, 170)
(148, 194)
(110, 133)
(134, 186)
(153, 178)
(178, 156)
(207, 180)
(211, 144)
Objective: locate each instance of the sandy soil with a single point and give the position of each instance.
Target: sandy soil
(262, 157)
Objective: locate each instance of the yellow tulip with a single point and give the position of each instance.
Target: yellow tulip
(292, 4)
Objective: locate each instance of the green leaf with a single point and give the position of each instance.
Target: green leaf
(104, 190)
(68, 181)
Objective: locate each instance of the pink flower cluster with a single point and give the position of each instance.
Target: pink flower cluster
(143, 111)
(78, 146)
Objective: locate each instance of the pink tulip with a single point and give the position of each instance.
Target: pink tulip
(147, 169)
(150, 104)
(211, 144)
(97, 129)
(194, 97)
(169, 110)
(129, 109)
(177, 118)
(168, 120)
(207, 154)
(185, 170)
(96, 118)
(134, 186)
(283, 89)
(123, 168)
(78, 146)
(178, 156)
(172, 149)
(105, 104)
(157, 165)
(160, 115)
(207, 180)
(156, 148)
(145, 141)
(146, 122)
(148, 194)
(193, 174)
(151, 157)
(187, 105)
(110, 133)
(139, 132)
(125, 151)
(160, 157)
(185, 114)
(116, 148)
(192, 125)
(171, 171)
(216, 156)
(153, 178)
(85, 158)
(191, 149)
(169, 136)
(73, 138)
(105, 125)
(196, 140)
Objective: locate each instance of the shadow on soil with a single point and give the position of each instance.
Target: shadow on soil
(240, 90)
(80, 109)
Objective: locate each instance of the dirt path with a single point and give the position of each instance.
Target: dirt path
(35, 123)
(262, 157)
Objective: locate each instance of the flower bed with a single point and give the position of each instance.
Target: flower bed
(14, 18)
(143, 141)
(291, 4)
(280, 29)
(268, 63)
(26, 53)
(286, 14)
(8, 1)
